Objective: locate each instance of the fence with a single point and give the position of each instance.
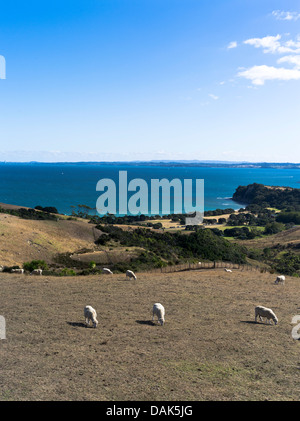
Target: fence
(207, 265)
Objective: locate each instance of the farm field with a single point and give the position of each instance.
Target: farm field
(210, 348)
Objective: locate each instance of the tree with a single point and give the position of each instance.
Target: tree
(274, 228)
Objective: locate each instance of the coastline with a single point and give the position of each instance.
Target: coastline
(168, 163)
(65, 186)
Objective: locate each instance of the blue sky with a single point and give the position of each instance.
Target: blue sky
(103, 80)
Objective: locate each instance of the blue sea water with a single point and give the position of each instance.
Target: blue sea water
(65, 185)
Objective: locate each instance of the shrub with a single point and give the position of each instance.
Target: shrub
(48, 209)
(288, 264)
(29, 214)
(67, 272)
(9, 268)
(35, 264)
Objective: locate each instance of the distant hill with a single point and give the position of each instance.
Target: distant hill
(177, 163)
(267, 196)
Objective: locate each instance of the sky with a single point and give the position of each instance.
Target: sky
(126, 80)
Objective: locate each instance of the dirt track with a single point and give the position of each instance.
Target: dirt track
(208, 349)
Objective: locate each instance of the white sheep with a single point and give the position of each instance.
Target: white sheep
(228, 270)
(107, 271)
(36, 272)
(1, 268)
(17, 271)
(280, 279)
(269, 314)
(90, 314)
(130, 274)
(159, 311)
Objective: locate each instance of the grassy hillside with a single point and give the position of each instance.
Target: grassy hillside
(73, 244)
(22, 240)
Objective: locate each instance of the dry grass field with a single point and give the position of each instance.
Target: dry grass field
(210, 348)
(288, 237)
(24, 240)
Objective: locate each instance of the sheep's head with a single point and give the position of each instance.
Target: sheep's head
(275, 320)
(161, 321)
(95, 323)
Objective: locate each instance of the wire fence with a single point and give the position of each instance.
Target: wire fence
(208, 265)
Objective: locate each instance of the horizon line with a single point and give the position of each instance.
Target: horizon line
(156, 161)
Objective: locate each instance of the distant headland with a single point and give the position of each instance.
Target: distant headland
(172, 163)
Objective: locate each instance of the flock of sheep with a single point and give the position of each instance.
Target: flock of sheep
(158, 309)
(91, 315)
(129, 273)
(21, 271)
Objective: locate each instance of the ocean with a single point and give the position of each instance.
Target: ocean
(64, 185)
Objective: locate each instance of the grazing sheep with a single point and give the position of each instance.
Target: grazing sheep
(228, 270)
(17, 271)
(90, 314)
(36, 272)
(261, 311)
(280, 279)
(159, 311)
(107, 271)
(130, 274)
